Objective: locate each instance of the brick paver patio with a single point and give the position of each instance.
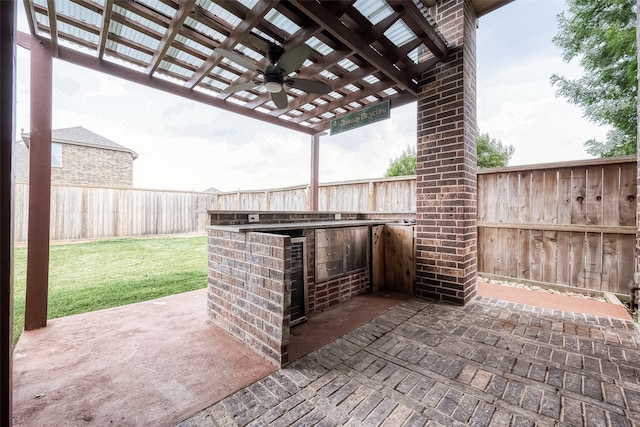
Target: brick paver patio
(423, 363)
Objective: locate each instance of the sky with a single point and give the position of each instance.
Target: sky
(184, 145)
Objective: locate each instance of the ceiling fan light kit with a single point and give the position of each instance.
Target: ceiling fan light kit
(273, 87)
(274, 77)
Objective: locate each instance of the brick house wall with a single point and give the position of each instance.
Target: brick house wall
(83, 165)
(84, 158)
(446, 196)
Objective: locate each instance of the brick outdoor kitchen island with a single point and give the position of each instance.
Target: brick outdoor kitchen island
(269, 270)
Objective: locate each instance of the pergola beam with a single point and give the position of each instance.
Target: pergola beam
(104, 29)
(336, 28)
(430, 37)
(352, 97)
(169, 35)
(31, 18)
(395, 101)
(115, 70)
(53, 26)
(243, 28)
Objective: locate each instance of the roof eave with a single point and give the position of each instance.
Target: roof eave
(26, 138)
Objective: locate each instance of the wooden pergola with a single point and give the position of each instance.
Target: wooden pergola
(366, 51)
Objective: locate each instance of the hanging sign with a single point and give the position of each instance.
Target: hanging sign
(365, 116)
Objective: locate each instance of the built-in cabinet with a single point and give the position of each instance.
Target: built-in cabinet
(393, 250)
(340, 251)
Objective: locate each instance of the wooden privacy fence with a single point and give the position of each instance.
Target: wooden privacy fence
(569, 223)
(89, 212)
(94, 212)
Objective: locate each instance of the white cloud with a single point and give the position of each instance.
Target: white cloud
(107, 87)
(518, 106)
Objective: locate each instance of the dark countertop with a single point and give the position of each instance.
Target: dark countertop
(300, 225)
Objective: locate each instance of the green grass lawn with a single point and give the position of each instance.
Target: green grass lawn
(107, 273)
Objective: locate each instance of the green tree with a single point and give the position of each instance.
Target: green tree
(491, 153)
(602, 34)
(617, 144)
(403, 165)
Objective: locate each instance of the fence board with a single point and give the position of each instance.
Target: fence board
(513, 204)
(511, 256)
(578, 194)
(490, 249)
(563, 257)
(536, 254)
(564, 196)
(524, 265)
(626, 260)
(610, 262)
(549, 256)
(627, 194)
(577, 259)
(524, 198)
(537, 197)
(483, 185)
(501, 203)
(550, 197)
(610, 195)
(594, 196)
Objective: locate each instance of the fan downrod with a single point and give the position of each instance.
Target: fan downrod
(274, 54)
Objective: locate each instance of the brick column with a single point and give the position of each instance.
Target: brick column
(446, 267)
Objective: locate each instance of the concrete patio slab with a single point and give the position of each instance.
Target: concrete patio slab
(553, 301)
(152, 363)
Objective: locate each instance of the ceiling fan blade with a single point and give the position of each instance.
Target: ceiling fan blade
(238, 59)
(280, 99)
(313, 86)
(292, 59)
(240, 87)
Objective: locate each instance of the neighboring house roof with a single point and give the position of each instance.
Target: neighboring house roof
(212, 190)
(21, 161)
(81, 136)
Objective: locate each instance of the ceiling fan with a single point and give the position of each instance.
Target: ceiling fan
(276, 75)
